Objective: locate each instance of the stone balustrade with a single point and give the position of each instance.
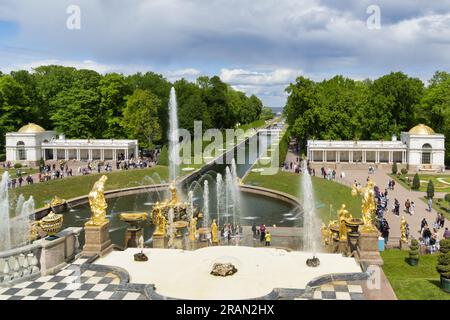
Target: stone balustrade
(40, 258)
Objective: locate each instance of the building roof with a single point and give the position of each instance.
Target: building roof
(31, 128)
(422, 129)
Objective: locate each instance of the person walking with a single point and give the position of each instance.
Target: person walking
(268, 238)
(411, 208)
(446, 234)
(430, 204)
(254, 231)
(262, 230)
(407, 206)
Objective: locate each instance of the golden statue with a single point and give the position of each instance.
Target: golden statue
(174, 200)
(193, 229)
(403, 224)
(326, 234)
(159, 220)
(56, 201)
(368, 205)
(98, 204)
(214, 232)
(343, 215)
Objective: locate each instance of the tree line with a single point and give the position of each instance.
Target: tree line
(85, 104)
(344, 109)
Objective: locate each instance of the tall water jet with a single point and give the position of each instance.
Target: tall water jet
(22, 223)
(206, 205)
(311, 227)
(236, 193)
(174, 144)
(170, 231)
(191, 204)
(229, 195)
(19, 204)
(5, 236)
(219, 196)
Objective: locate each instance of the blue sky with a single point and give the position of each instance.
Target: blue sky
(258, 46)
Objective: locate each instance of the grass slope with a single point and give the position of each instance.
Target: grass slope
(326, 192)
(72, 187)
(413, 283)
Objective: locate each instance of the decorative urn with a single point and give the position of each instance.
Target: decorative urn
(51, 224)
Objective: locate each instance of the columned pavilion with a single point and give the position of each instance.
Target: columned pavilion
(420, 147)
(32, 143)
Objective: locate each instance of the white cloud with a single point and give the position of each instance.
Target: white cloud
(269, 78)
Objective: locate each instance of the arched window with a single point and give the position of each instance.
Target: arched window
(426, 153)
(21, 152)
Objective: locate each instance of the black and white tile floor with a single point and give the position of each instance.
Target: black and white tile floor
(77, 283)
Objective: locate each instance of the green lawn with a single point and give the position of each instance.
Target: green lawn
(413, 283)
(72, 187)
(440, 205)
(441, 185)
(24, 171)
(329, 195)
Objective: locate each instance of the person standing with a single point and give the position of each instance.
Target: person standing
(430, 203)
(254, 231)
(411, 208)
(267, 238)
(262, 230)
(407, 206)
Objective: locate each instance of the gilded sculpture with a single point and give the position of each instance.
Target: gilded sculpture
(193, 229)
(403, 227)
(343, 215)
(326, 234)
(98, 204)
(368, 205)
(214, 232)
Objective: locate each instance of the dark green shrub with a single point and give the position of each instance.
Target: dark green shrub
(2, 157)
(443, 266)
(17, 165)
(414, 250)
(416, 182)
(430, 190)
(394, 168)
(164, 157)
(447, 197)
(404, 171)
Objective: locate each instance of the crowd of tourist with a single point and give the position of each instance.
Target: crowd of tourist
(54, 171)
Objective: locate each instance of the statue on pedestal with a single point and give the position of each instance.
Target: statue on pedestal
(193, 229)
(343, 215)
(403, 227)
(98, 204)
(368, 205)
(160, 221)
(214, 232)
(326, 234)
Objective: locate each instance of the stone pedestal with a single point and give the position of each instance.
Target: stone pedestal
(368, 248)
(202, 244)
(158, 241)
(132, 236)
(97, 240)
(343, 246)
(53, 257)
(403, 245)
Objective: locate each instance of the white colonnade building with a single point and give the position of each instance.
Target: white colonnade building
(420, 148)
(32, 142)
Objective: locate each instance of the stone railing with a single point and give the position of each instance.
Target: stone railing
(20, 264)
(40, 258)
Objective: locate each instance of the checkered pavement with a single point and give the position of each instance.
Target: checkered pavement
(339, 290)
(71, 283)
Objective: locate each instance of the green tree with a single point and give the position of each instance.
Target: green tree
(394, 168)
(113, 90)
(140, 118)
(76, 113)
(416, 182)
(430, 190)
(435, 107)
(14, 107)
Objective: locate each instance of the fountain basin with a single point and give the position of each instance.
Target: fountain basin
(193, 280)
